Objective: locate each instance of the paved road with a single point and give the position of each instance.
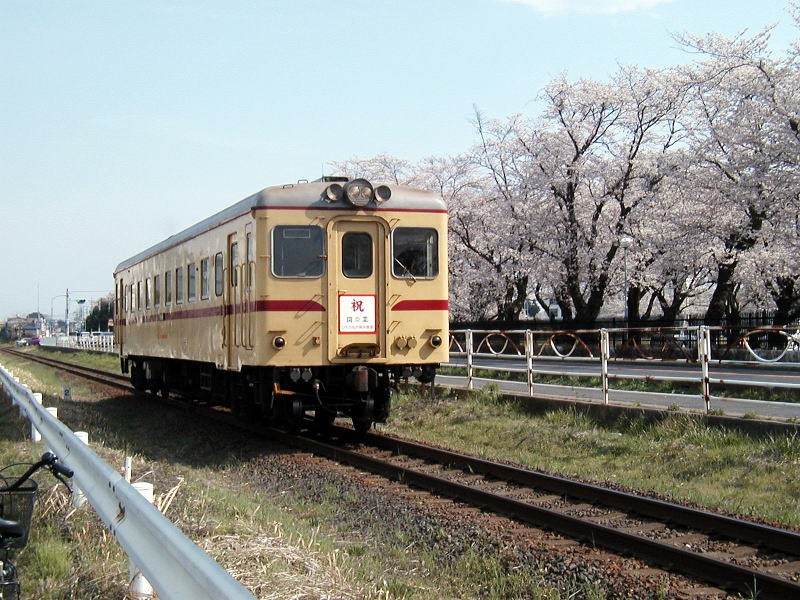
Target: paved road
(771, 377)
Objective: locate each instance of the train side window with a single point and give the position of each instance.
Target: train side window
(157, 290)
(179, 285)
(356, 255)
(148, 292)
(415, 253)
(250, 260)
(298, 251)
(234, 265)
(138, 295)
(168, 288)
(219, 273)
(191, 277)
(204, 279)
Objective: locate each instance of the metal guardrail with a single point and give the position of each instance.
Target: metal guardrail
(533, 349)
(171, 562)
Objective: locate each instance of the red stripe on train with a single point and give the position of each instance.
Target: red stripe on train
(289, 306)
(216, 311)
(421, 305)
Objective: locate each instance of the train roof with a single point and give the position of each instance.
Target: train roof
(300, 196)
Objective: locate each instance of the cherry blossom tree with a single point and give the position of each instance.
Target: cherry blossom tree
(699, 164)
(743, 124)
(574, 180)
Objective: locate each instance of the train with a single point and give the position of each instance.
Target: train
(303, 301)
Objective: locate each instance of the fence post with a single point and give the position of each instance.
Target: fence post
(605, 351)
(469, 358)
(704, 352)
(529, 359)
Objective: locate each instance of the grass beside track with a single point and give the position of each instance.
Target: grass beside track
(297, 536)
(679, 457)
(281, 529)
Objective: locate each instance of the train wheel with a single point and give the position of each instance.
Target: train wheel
(361, 425)
(138, 378)
(383, 404)
(242, 401)
(292, 413)
(323, 419)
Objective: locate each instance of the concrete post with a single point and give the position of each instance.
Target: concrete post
(140, 588)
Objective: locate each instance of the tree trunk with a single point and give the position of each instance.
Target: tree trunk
(511, 305)
(787, 300)
(723, 297)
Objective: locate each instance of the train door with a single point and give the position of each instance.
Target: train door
(239, 282)
(119, 314)
(232, 302)
(357, 289)
(248, 283)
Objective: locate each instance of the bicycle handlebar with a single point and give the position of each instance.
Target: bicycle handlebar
(48, 461)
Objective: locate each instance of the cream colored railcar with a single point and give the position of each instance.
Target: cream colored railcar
(316, 297)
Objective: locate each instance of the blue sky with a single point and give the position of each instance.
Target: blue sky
(124, 122)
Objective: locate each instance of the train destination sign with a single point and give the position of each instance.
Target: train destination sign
(357, 313)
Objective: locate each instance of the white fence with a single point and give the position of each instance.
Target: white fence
(171, 562)
(92, 343)
(532, 353)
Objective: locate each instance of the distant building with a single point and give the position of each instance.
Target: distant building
(14, 328)
(20, 327)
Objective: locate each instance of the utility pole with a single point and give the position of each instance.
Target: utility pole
(66, 314)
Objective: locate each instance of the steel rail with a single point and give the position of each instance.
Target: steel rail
(759, 534)
(98, 375)
(722, 573)
(719, 572)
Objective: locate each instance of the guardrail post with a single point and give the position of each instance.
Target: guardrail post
(469, 358)
(20, 407)
(605, 351)
(529, 359)
(35, 435)
(704, 351)
(140, 588)
(127, 468)
(78, 497)
(53, 410)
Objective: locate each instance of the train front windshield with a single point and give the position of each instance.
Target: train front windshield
(415, 253)
(297, 251)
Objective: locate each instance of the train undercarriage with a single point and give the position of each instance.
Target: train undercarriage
(284, 396)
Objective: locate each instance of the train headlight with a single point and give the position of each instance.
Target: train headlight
(382, 193)
(278, 342)
(435, 341)
(334, 192)
(359, 192)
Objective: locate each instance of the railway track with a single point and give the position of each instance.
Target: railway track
(737, 555)
(98, 375)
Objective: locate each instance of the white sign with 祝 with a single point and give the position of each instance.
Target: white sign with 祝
(357, 314)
